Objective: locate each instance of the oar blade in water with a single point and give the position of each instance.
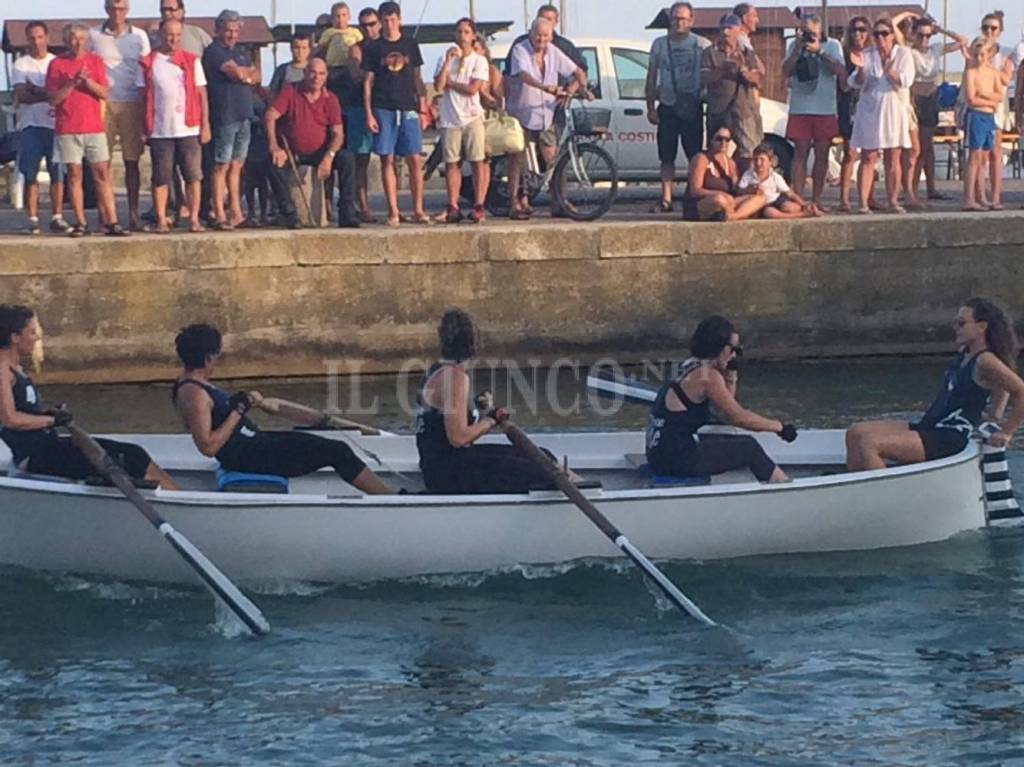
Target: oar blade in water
(218, 583)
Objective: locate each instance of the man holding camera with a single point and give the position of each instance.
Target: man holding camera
(673, 82)
(813, 63)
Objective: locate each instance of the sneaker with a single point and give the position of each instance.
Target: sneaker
(33, 226)
(477, 214)
(453, 215)
(79, 231)
(59, 226)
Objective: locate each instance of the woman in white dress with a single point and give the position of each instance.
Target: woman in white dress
(882, 123)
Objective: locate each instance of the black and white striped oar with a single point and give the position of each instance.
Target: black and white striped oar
(1001, 507)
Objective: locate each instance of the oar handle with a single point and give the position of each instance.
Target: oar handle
(308, 416)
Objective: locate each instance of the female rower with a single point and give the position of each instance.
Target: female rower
(30, 431)
(447, 426)
(220, 426)
(683, 405)
(982, 373)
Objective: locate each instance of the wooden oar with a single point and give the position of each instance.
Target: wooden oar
(218, 583)
(526, 446)
(307, 416)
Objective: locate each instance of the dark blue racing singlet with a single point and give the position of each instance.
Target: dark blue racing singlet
(34, 441)
(672, 433)
(221, 410)
(960, 402)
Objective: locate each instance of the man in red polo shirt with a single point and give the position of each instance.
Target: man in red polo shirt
(77, 86)
(312, 131)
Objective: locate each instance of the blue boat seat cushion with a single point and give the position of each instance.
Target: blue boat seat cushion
(244, 482)
(639, 462)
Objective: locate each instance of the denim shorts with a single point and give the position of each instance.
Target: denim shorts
(35, 145)
(231, 142)
(399, 135)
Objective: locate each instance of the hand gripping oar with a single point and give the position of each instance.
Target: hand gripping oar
(526, 446)
(218, 583)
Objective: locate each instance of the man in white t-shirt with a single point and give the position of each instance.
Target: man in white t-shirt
(461, 74)
(35, 123)
(177, 120)
(121, 46)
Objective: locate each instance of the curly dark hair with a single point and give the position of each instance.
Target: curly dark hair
(196, 343)
(711, 336)
(999, 334)
(457, 336)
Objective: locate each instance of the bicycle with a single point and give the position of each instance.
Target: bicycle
(583, 179)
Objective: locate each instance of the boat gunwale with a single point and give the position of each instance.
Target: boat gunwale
(216, 499)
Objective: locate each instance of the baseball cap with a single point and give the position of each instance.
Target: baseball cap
(729, 20)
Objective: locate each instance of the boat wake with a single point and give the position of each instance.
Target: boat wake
(116, 590)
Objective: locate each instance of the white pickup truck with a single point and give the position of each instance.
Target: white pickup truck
(617, 72)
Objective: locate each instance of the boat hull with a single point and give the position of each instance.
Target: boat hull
(50, 526)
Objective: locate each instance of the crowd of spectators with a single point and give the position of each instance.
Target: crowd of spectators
(217, 137)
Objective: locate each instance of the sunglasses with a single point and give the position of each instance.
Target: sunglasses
(169, 9)
(722, 138)
(959, 322)
(369, 23)
(881, 33)
(991, 28)
(862, 30)
(737, 349)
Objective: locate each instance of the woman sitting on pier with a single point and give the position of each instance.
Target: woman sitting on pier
(31, 432)
(683, 405)
(447, 426)
(982, 373)
(221, 428)
(712, 191)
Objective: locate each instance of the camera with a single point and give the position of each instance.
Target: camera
(808, 36)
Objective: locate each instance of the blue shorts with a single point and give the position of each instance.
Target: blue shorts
(358, 139)
(981, 130)
(34, 145)
(399, 135)
(231, 142)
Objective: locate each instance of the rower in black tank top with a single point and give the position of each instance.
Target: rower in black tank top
(35, 441)
(674, 448)
(246, 428)
(472, 469)
(44, 451)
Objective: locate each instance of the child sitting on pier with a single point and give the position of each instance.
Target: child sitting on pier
(762, 178)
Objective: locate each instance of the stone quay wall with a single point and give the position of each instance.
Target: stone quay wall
(304, 303)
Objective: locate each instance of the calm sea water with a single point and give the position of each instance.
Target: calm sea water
(899, 657)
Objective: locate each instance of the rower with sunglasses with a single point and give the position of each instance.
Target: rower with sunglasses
(709, 377)
(711, 193)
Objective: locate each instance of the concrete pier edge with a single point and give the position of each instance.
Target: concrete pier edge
(309, 302)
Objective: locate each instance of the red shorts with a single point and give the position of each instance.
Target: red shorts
(812, 127)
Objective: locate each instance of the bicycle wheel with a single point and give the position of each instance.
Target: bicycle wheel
(585, 182)
(497, 201)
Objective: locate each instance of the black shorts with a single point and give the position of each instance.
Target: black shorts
(927, 110)
(62, 459)
(673, 131)
(486, 469)
(940, 443)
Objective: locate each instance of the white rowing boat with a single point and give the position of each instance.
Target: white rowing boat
(323, 530)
